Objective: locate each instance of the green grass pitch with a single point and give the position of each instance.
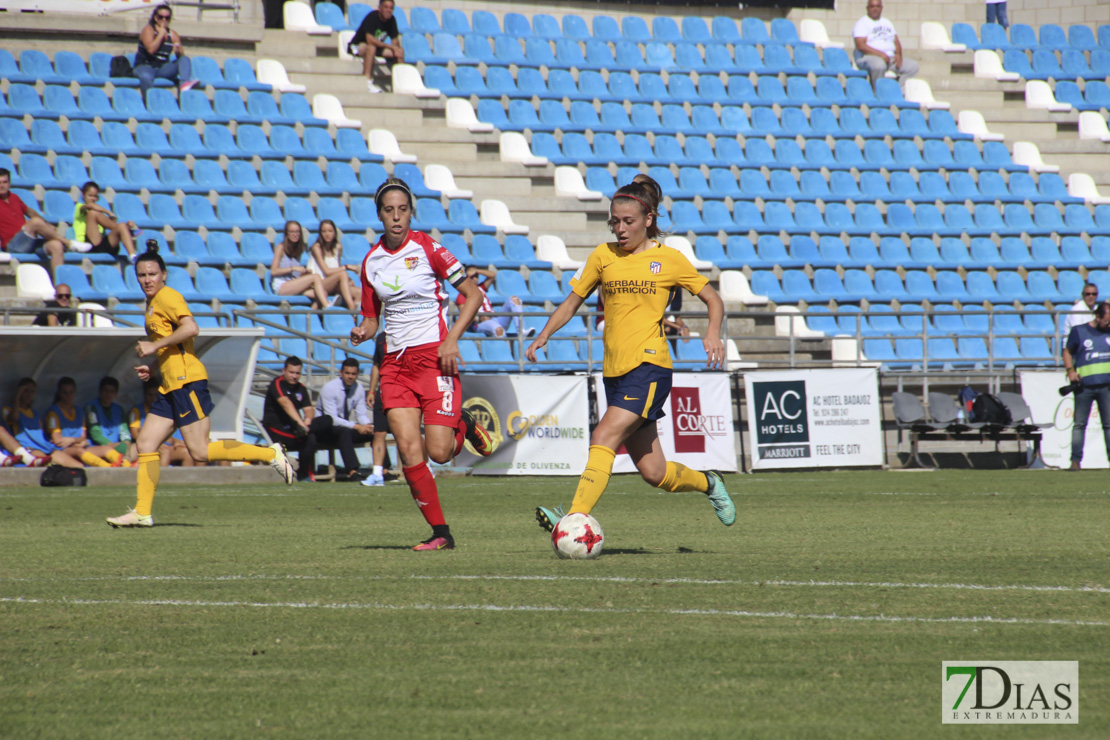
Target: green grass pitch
(301, 612)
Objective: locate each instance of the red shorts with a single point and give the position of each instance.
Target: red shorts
(412, 379)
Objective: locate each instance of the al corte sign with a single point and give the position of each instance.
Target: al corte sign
(697, 430)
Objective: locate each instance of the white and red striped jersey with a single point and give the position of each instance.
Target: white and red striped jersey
(403, 289)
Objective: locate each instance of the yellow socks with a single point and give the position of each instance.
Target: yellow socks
(240, 451)
(93, 461)
(150, 470)
(681, 478)
(599, 466)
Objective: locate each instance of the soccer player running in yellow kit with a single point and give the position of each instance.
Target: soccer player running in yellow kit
(638, 276)
(183, 401)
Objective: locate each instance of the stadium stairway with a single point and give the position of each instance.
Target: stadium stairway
(421, 129)
(1003, 105)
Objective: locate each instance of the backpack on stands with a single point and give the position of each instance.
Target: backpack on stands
(56, 475)
(120, 67)
(989, 410)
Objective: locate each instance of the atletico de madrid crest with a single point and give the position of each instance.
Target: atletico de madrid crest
(412, 262)
(655, 268)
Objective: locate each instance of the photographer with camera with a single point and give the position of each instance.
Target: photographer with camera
(1087, 363)
(290, 418)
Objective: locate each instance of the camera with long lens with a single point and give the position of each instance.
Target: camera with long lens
(1070, 388)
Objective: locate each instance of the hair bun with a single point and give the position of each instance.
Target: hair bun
(152, 245)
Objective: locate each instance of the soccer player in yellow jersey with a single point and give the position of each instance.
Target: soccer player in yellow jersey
(637, 275)
(183, 400)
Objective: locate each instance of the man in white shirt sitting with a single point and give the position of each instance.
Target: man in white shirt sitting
(343, 399)
(878, 49)
(1084, 309)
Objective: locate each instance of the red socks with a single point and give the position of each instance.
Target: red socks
(423, 488)
(460, 436)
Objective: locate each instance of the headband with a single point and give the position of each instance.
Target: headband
(388, 186)
(633, 197)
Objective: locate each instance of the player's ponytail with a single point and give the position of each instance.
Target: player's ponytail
(151, 255)
(648, 199)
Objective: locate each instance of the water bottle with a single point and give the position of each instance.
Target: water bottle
(960, 416)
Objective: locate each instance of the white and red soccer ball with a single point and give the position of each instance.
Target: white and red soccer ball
(577, 537)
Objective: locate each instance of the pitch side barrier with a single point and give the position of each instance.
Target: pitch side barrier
(88, 354)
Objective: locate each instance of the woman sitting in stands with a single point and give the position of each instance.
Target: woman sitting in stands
(290, 277)
(326, 255)
(156, 44)
(99, 227)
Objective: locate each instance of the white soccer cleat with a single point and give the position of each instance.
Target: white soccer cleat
(374, 480)
(131, 519)
(281, 464)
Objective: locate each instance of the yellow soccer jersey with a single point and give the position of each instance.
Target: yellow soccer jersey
(637, 290)
(178, 363)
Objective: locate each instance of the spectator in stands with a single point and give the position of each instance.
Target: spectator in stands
(290, 418)
(325, 262)
(173, 451)
(157, 41)
(996, 13)
(23, 230)
(289, 276)
(25, 425)
(343, 400)
(420, 372)
(1082, 309)
(878, 49)
(63, 298)
(1086, 355)
(12, 453)
(99, 227)
(377, 35)
(64, 424)
(380, 420)
(106, 420)
(493, 326)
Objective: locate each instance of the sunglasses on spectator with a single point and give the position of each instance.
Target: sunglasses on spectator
(163, 16)
(64, 295)
(1094, 294)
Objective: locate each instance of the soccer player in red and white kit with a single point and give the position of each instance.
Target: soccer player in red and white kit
(420, 373)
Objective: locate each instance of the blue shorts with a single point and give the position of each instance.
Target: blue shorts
(188, 404)
(24, 243)
(643, 391)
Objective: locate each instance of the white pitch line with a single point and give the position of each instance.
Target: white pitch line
(585, 579)
(558, 609)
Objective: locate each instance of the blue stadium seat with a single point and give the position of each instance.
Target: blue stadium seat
(239, 72)
(994, 37)
(964, 33)
(546, 27)
(605, 29)
(329, 14)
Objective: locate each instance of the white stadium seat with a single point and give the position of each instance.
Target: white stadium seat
(495, 213)
(407, 80)
(972, 122)
(383, 142)
(298, 17)
(989, 67)
(551, 248)
(1039, 95)
(272, 72)
(460, 114)
(734, 288)
(514, 148)
(330, 109)
(935, 36)
(569, 184)
(439, 177)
